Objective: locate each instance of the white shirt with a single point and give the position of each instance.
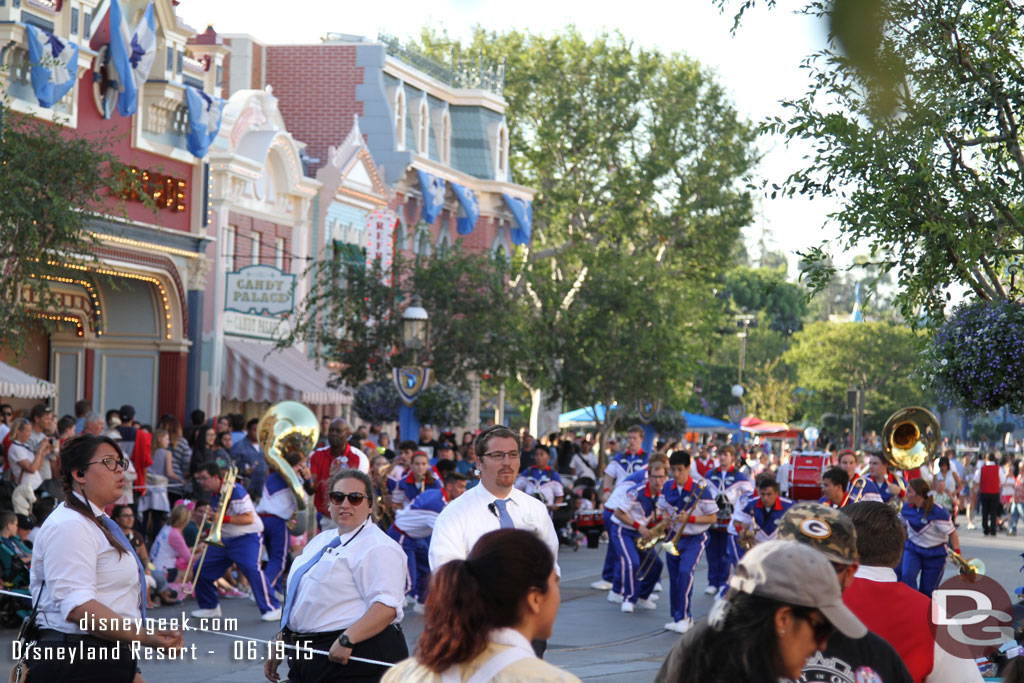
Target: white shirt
(19, 453)
(468, 517)
(79, 564)
(945, 667)
(367, 567)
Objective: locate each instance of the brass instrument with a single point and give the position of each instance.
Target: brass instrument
(214, 537)
(747, 538)
(188, 582)
(969, 567)
(669, 546)
(659, 532)
(911, 437)
(856, 490)
(289, 427)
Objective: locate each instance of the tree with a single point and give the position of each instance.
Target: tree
(762, 289)
(769, 393)
(916, 130)
(51, 185)
(638, 158)
(879, 358)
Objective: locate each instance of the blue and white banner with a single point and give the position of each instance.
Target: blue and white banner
(470, 209)
(522, 211)
(204, 116)
(433, 189)
(132, 54)
(54, 63)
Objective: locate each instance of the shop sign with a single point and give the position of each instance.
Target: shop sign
(259, 326)
(261, 290)
(380, 241)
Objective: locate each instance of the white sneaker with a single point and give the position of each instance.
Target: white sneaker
(419, 608)
(212, 612)
(601, 585)
(681, 626)
(646, 604)
(657, 587)
(272, 615)
(614, 597)
(279, 595)
(627, 607)
(710, 590)
(654, 597)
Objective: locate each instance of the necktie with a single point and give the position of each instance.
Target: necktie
(119, 535)
(503, 516)
(293, 581)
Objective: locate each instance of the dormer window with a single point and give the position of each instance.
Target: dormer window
(423, 133)
(446, 138)
(400, 116)
(501, 171)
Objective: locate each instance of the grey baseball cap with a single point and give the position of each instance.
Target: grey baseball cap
(796, 574)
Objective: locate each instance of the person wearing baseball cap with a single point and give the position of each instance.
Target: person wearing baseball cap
(782, 604)
(831, 532)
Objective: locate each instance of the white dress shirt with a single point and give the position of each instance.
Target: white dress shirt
(19, 453)
(79, 564)
(367, 567)
(468, 517)
(945, 667)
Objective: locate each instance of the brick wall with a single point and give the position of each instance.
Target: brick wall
(245, 226)
(225, 91)
(316, 87)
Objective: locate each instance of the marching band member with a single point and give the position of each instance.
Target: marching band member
(338, 454)
(928, 528)
(730, 487)
(421, 478)
(400, 466)
(632, 521)
(242, 533)
(413, 527)
(345, 593)
(857, 492)
(276, 509)
(677, 497)
(540, 481)
(84, 572)
(833, 485)
(761, 515)
(702, 464)
(616, 471)
(879, 474)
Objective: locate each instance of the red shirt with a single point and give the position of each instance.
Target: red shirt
(907, 628)
(320, 468)
(704, 466)
(989, 478)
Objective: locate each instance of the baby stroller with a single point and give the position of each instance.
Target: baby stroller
(562, 518)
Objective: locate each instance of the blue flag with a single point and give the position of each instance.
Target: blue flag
(470, 209)
(132, 54)
(522, 211)
(204, 115)
(432, 188)
(54, 69)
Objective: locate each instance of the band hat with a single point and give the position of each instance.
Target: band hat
(796, 574)
(824, 528)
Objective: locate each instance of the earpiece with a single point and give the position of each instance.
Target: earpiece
(81, 473)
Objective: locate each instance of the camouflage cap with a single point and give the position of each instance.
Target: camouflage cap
(825, 528)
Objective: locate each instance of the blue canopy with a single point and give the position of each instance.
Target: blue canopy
(695, 423)
(582, 416)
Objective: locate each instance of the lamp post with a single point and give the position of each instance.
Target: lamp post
(737, 412)
(412, 380)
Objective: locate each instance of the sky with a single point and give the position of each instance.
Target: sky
(759, 66)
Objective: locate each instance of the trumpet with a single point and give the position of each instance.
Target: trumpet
(747, 538)
(669, 546)
(968, 567)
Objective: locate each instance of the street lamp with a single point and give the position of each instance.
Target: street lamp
(411, 381)
(414, 325)
(737, 390)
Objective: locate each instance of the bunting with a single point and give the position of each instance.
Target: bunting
(522, 211)
(132, 55)
(204, 117)
(469, 209)
(54, 70)
(433, 189)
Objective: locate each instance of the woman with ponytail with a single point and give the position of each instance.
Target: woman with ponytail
(483, 612)
(86, 580)
(928, 528)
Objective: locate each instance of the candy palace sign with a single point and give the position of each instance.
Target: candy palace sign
(263, 290)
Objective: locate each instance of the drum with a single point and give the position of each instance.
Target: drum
(590, 523)
(805, 476)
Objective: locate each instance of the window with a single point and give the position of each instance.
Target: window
(444, 242)
(256, 240)
(501, 172)
(228, 248)
(422, 246)
(400, 116)
(279, 253)
(446, 138)
(423, 138)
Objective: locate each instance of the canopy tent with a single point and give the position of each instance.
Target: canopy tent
(753, 425)
(703, 423)
(582, 417)
(17, 384)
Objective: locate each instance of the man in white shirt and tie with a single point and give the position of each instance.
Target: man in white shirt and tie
(494, 504)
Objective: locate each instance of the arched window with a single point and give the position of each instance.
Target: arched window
(423, 240)
(501, 172)
(446, 138)
(400, 116)
(423, 141)
(499, 250)
(444, 242)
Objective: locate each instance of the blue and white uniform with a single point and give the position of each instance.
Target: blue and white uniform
(610, 572)
(883, 488)
(625, 464)
(242, 547)
(924, 552)
(276, 507)
(870, 492)
(729, 487)
(407, 489)
(763, 521)
(543, 483)
(638, 503)
(624, 468)
(412, 529)
(674, 500)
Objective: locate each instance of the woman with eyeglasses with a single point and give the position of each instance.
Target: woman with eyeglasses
(86, 579)
(344, 593)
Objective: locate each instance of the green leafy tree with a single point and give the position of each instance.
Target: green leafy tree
(880, 358)
(763, 289)
(769, 393)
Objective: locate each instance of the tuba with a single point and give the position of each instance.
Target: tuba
(289, 427)
(911, 438)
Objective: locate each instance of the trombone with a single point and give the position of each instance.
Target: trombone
(214, 536)
(669, 546)
(187, 582)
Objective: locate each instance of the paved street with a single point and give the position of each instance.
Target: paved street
(592, 638)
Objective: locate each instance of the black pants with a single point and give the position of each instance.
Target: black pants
(51, 661)
(989, 512)
(387, 646)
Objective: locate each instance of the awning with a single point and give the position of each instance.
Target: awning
(704, 423)
(258, 372)
(17, 384)
(755, 425)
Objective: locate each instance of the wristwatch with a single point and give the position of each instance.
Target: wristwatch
(345, 642)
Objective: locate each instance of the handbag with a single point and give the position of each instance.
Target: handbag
(28, 635)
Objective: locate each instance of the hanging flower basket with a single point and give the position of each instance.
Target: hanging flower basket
(441, 405)
(377, 402)
(976, 359)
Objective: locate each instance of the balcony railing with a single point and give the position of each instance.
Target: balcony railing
(471, 76)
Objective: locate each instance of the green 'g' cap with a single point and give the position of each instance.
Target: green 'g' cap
(825, 528)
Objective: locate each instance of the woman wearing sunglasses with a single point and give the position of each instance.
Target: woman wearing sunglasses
(345, 593)
(782, 604)
(85, 574)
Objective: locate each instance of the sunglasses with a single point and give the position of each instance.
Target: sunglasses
(822, 629)
(338, 498)
(111, 463)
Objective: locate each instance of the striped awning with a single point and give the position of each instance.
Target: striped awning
(17, 384)
(258, 372)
